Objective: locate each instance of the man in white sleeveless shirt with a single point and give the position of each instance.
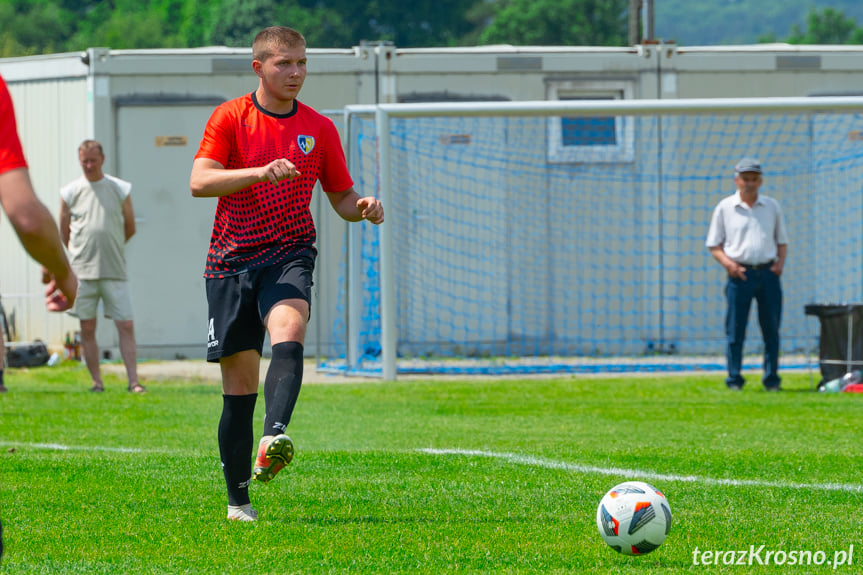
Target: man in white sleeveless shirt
(96, 221)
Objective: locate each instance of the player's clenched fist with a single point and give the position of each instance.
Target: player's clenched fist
(372, 209)
(278, 170)
(59, 294)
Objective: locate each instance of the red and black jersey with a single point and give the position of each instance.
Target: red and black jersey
(266, 224)
(11, 154)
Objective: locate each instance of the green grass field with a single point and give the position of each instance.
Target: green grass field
(428, 476)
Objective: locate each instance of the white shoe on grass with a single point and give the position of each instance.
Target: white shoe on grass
(242, 512)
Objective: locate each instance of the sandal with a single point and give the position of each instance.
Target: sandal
(137, 388)
(97, 388)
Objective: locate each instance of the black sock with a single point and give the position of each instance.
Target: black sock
(236, 443)
(282, 386)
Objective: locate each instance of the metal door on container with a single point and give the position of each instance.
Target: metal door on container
(156, 145)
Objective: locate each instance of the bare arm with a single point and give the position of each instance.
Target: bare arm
(210, 179)
(779, 264)
(65, 222)
(128, 218)
(38, 233)
(351, 207)
(734, 269)
(32, 221)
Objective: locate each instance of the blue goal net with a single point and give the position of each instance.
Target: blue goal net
(537, 243)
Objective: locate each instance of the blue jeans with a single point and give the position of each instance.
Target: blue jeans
(763, 286)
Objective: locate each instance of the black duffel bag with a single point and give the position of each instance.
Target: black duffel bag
(26, 354)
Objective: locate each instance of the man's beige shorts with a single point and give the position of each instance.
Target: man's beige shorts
(115, 296)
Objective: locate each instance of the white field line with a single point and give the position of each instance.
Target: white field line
(524, 460)
(60, 447)
(640, 473)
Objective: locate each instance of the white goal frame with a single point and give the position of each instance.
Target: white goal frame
(385, 112)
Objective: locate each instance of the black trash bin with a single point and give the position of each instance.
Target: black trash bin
(841, 342)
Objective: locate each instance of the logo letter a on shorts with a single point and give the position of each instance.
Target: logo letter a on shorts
(211, 331)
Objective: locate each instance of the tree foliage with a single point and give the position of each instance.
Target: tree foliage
(237, 22)
(45, 26)
(559, 22)
(31, 28)
(827, 27)
(712, 22)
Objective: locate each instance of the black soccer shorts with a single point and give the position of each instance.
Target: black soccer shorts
(238, 304)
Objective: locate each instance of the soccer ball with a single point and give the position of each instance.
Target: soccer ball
(634, 518)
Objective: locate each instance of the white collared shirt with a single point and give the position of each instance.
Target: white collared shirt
(748, 235)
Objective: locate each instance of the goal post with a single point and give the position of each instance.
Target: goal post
(542, 243)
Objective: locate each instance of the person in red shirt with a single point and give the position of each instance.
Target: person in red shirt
(30, 218)
(261, 155)
(32, 222)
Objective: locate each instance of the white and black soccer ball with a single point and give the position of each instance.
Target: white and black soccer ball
(634, 518)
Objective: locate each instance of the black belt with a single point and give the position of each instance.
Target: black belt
(757, 267)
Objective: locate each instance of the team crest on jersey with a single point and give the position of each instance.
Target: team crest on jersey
(306, 143)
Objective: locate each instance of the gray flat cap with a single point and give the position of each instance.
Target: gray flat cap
(748, 165)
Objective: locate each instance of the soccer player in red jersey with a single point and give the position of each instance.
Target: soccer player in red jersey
(32, 221)
(261, 155)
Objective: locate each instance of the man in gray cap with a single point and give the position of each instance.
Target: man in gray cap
(747, 236)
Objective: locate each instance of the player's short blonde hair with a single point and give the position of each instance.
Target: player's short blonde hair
(88, 145)
(275, 37)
